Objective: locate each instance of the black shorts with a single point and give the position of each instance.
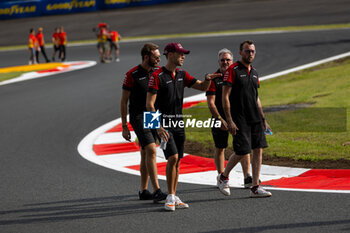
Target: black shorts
(101, 45)
(56, 48)
(114, 45)
(220, 137)
(145, 136)
(176, 143)
(248, 137)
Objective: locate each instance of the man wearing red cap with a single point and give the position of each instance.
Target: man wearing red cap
(102, 35)
(165, 93)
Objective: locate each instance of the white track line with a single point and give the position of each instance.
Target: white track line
(35, 74)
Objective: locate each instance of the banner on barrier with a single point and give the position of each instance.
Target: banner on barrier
(31, 8)
(68, 6)
(109, 4)
(19, 9)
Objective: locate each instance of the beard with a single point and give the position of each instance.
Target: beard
(247, 60)
(152, 63)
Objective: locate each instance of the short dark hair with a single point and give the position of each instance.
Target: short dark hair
(147, 49)
(31, 30)
(250, 42)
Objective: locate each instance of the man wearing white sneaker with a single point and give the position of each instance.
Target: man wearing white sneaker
(245, 118)
(165, 93)
(220, 135)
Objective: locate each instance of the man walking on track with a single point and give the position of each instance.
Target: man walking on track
(115, 37)
(32, 47)
(135, 89)
(63, 43)
(245, 118)
(55, 42)
(165, 93)
(41, 42)
(102, 46)
(220, 135)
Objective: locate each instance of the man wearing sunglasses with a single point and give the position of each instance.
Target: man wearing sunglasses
(245, 118)
(135, 89)
(220, 135)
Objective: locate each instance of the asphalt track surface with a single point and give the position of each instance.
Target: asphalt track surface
(46, 186)
(183, 17)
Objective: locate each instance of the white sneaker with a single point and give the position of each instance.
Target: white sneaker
(117, 60)
(179, 204)
(223, 186)
(170, 203)
(217, 180)
(259, 192)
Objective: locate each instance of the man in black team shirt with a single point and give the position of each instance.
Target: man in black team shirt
(245, 118)
(165, 93)
(220, 135)
(135, 89)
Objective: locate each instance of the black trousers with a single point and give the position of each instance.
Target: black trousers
(62, 53)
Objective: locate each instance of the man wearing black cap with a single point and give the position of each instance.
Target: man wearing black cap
(165, 93)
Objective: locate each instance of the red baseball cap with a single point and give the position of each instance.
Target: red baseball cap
(101, 25)
(175, 47)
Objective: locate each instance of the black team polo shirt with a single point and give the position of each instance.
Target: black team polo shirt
(170, 90)
(244, 93)
(215, 88)
(136, 81)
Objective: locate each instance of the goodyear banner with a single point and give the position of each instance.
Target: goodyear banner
(19, 9)
(68, 6)
(30, 8)
(109, 4)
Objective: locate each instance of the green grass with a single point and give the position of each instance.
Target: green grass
(313, 133)
(7, 76)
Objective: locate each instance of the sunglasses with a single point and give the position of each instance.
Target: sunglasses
(223, 60)
(249, 51)
(156, 57)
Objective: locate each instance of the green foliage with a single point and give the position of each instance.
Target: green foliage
(6, 76)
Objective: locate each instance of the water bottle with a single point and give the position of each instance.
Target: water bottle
(163, 144)
(268, 131)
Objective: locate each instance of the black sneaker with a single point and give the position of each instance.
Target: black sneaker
(248, 182)
(145, 195)
(158, 196)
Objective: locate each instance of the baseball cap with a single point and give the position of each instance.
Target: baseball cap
(101, 25)
(175, 47)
